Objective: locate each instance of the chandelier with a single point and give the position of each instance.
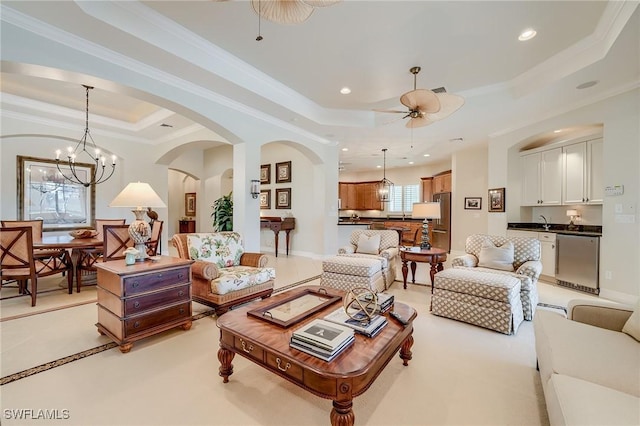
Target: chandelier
(73, 174)
(385, 185)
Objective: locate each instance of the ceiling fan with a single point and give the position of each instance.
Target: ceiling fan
(427, 106)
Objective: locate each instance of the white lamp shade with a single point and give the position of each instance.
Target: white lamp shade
(137, 194)
(426, 211)
(572, 212)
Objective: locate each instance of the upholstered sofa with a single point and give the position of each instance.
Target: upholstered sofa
(524, 263)
(589, 363)
(375, 244)
(223, 274)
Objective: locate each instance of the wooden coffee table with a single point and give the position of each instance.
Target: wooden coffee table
(434, 256)
(347, 376)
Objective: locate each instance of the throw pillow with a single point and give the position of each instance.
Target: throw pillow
(368, 244)
(496, 257)
(223, 249)
(632, 326)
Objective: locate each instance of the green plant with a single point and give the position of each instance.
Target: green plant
(223, 213)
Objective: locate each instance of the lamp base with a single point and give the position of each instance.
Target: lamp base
(140, 233)
(424, 240)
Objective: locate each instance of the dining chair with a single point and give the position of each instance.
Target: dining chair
(20, 252)
(154, 243)
(88, 257)
(116, 241)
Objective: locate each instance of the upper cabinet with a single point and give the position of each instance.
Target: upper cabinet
(571, 174)
(442, 182)
(427, 188)
(583, 183)
(542, 173)
(359, 196)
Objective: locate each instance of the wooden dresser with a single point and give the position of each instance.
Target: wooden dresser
(140, 300)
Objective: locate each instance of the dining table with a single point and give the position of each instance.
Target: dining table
(66, 242)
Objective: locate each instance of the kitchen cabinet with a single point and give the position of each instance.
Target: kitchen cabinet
(427, 188)
(541, 177)
(359, 196)
(442, 182)
(547, 248)
(582, 174)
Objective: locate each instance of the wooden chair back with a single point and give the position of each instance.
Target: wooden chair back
(154, 242)
(116, 241)
(16, 258)
(36, 227)
(100, 223)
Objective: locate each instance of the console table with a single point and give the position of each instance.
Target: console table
(143, 299)
(276, 224)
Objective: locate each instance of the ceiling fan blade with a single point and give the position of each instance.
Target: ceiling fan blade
(418, 122)
(422, 100)
(449, 104)
(395, 111)
(283, 12)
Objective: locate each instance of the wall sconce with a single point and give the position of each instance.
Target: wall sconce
(255, 188)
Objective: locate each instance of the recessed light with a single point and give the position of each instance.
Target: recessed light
(345, 90)
(378, 167)
(345, 149)
(587, 84)
(557, 131)
(527, 34)
(427, 155)
(410, 162)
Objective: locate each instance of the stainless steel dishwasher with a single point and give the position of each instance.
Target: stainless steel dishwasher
(577, 262)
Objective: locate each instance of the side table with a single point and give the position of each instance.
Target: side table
(434, 256)
(143, 299)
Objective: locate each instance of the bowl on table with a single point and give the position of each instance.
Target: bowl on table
(83, 233)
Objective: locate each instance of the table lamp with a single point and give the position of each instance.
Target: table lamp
(425, 211)
(139, 195)
(573, 214)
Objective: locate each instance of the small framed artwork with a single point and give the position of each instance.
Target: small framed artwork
(265, 199)
(190, 204)
(472, 203)
(283, 172)
(265, 173)
(283, 198)
(496, 200)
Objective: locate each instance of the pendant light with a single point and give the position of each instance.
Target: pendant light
(69, 171)
(385, 185)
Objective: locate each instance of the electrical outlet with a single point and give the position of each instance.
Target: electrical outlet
(618, 208)
(608, 275)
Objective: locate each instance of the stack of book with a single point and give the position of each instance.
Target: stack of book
(322, 339)
(358, 321)
(385, 301)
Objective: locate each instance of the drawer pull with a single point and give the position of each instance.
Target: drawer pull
(182, 310)
(136, 324)
(244, 346)
(136, 304)
(181, 293)
(180, 276)
(135, 284)
(286, 366)
(160, 275)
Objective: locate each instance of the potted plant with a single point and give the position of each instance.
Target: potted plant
(223, 213)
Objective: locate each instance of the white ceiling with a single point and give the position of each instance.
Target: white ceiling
(295, 73)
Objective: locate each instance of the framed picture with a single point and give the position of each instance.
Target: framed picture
(283, 172)
(265, 199)
(472, 203)
(44, 193)
(283, 198)
(265, 173)
(190, 204)
(496, 200)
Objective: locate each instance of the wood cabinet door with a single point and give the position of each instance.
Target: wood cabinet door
(427, 189)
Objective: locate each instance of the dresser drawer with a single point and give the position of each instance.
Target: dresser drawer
(143, 322)
(139, 304)
(155, 280)
(285, 366)
(249, 348)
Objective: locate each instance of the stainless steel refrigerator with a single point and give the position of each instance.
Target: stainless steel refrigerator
(441, 228)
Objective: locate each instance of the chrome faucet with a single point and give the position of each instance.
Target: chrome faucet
(546, 224)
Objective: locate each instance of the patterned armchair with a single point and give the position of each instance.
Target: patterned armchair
(526, 265)
(375, 244)
(223, 274)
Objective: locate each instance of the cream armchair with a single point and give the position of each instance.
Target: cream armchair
(525, 263)
(375, 244)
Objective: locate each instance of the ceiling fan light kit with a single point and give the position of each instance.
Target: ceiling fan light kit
(427, 106)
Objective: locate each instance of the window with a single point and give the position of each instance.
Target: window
(403, 197)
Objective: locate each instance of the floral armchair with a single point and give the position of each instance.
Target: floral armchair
(515, 256)
(375, 244)
(223, 274)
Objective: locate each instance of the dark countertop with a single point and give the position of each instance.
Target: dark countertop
(354, 222)
(584, 230)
